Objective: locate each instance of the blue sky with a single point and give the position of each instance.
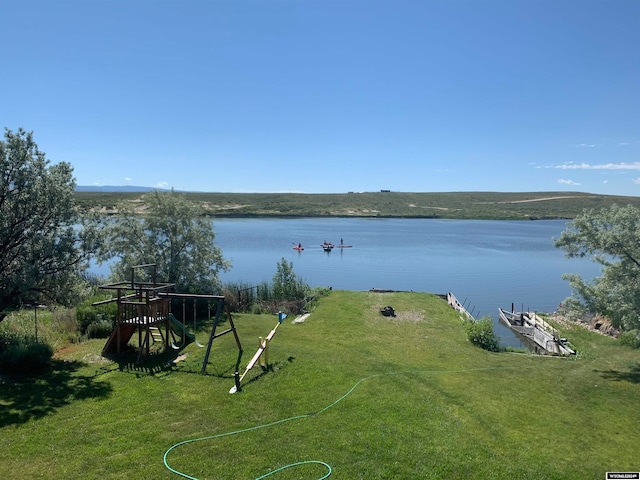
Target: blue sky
(321, 96)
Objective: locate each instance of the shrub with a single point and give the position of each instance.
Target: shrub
(101, 328)
(86, 313)
(481, 333)
(630, 338)
(24, 356)
(6, 340)
(289, 291)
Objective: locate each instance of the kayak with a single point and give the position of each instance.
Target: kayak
(298, 248)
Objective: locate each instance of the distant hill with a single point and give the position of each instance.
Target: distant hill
(459, 205)
(115, 188)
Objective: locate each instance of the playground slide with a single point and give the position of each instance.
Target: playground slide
(179, 329)
(126, 332)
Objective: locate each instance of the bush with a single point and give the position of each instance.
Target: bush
(24, 356)
(481, 333)
(101, 328)
(289, 291)
(6, 340)
(630, 338)
(86, 314)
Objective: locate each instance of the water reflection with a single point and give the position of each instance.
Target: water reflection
(486, 264)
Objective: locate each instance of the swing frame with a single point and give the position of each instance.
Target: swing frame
(220, 310)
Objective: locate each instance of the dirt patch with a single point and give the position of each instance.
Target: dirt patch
(95, 358)
(359, 212)
(63, 351)
(215, 207)
(410, 316)
(544, 199)
(400, 315)
(413, 205)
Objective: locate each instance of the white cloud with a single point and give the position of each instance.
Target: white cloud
(127, 179)
(585, 145)
(568, 182)
(623, 144)
(636, 181)
(602, 166)
(162, 185)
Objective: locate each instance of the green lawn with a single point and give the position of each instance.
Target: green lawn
(372, 397)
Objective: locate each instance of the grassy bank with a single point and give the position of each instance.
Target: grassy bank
(462, 205)
(373, 397)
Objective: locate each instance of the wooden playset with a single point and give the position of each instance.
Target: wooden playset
(145, 308)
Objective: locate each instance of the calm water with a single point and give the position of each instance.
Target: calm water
(486, 264)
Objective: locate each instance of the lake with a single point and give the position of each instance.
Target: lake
(486, 264)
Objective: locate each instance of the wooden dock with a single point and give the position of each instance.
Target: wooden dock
(459, 307)
(536, 332)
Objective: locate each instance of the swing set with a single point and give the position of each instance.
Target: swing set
(219, 311)
(145, 308)
(262, 355)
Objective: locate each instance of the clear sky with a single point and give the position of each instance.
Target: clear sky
(322, 96)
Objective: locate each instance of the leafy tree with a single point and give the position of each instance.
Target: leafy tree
(286, 283)
(610, 237)
(289, 290)
(170, 231)
(284, 280)
(42, 250)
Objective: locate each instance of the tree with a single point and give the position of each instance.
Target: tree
(289, 290)
(611, 237)
(42, 250)
(285, 281)
(167, 230)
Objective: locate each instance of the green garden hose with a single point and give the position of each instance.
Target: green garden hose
(298, 417)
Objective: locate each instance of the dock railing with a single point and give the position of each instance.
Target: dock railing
(456, 305)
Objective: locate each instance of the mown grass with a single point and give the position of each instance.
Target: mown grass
(426, 404)
(459, 205)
